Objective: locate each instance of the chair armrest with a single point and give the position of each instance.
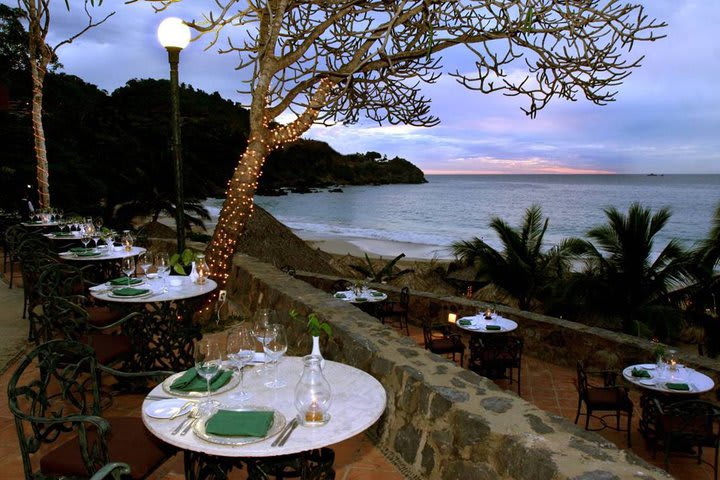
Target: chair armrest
(119, 322)
(113, 470)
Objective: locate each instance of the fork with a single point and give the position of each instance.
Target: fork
(194, 416)
(180, 410)
(191, 417)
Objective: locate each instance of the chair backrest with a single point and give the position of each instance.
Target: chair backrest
(55, 381)
(582, 379)
(62, 318)
(405, 296)
(692, 420)
(427, 332)
(61, 280)
(14, 236)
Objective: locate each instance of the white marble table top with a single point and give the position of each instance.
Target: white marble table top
(366, 296)
(75, 235)
(479, 324)
(184, 289)
(358, 400)
(660, 377)
(116, 254)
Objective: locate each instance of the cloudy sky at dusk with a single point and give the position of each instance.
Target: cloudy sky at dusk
(666, 118)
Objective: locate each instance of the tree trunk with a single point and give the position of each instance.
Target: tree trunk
(43, 176)
(236, 210)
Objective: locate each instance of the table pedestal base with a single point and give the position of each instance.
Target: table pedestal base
(310, 465)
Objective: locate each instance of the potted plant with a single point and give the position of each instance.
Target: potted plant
(315, 327)
(181, 264)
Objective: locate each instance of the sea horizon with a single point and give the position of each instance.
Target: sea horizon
(457, 207)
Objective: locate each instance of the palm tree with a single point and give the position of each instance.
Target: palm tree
(522, 269)
(621, 279)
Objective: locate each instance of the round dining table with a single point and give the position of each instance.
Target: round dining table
(363, 296)
(163, 337)
(358, 401)
(480, 324)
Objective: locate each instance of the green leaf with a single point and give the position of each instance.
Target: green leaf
(174, 259)
(188, 256)
(325, 327)
(179, 269)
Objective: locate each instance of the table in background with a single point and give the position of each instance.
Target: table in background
(367, 300)
(164, 336)
(655, 387)
(106, 264)
(358, 400)
(479, 324)
(39, 224)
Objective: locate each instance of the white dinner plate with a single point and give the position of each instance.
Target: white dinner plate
(171, 408)
(147, 294)
(647, 381)
(232, 383)
(648, 366)
(277, 425)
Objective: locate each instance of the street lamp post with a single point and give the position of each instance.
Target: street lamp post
(174, 35)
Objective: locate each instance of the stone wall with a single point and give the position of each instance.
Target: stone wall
(441, 421)
(555, 340)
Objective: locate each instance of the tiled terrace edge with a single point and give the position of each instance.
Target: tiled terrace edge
(554, 340)
(441, 421)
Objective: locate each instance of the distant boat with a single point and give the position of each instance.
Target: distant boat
(651, 175)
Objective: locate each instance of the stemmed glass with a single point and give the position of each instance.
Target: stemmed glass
(264, 317)
(85, 239)
(128, 267)
(146, 261)
(208, 361)
(95, 234)
(275, 345)
(162, 264)
(240, 350)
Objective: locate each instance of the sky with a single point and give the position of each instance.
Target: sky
(666, 118)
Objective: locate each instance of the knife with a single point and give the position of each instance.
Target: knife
(283, 432)
(285, 437)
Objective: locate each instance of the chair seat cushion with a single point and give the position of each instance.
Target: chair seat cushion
(608, 399)
(102, 316)
(129, 441)
(108, 348)
(445, 345)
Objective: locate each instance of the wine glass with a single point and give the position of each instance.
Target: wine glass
(94, 234)
(275, 345)
(128, 267)
(162, 264)
(240, 350)
(263, 318)
(208, 361)
(145, 261)
(85, 238)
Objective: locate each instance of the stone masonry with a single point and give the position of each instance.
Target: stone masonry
(441, 421)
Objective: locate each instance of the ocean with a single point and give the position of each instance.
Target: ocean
(459, 207)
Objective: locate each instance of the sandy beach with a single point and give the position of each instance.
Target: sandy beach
(374, 248)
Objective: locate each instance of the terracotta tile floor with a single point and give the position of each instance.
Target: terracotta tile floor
(548, 386)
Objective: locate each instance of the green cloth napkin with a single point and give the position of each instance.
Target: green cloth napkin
(78, 249)
(130, 292)
(493, 327)
(190, 381)
(678, 386)
(340, 295)
(377, 294)
(64, 234)
(464, 322)
(124, 281)
(230, 423)
(360, 299)
(89, 253)
(639, 372)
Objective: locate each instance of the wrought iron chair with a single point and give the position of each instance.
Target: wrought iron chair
(13, 238)
(399, 310)
(114, 470)
(439, 340)
(497, 356)
(54, 396)
(34, 258)
(689, 423)
(606, 398)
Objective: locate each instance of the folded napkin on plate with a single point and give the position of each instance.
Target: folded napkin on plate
(130, 292)
(64, 234)
(89, 253)
(360, 299)
(678, 386)
(340, 295)
(377, 294)
(639, 372)
(190, 381)
(465, 322)
(124, 281)
(239, 424)
(78, 249)
(493, 327)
